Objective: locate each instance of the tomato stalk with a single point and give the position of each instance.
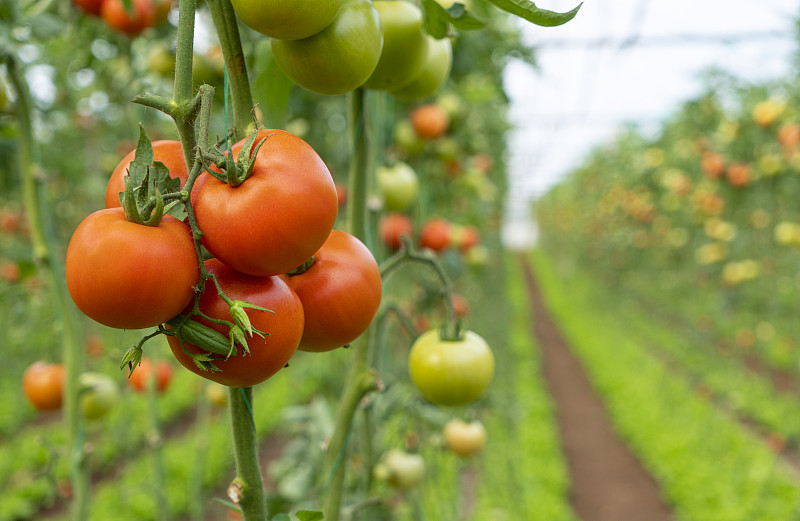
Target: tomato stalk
(44, 254)
(156, 441)
(360, 378)
(224, 19)
(247, 489)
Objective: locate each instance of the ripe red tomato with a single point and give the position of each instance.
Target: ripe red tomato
(283, 327)
(117, 17)
(460, 305)
(89, 6)
(167, 151)
(430, 121)
(287, 19)
(43, 384)
(451, 372)
(275, 220)
(465, 237)
(738, 175)
(340, 293)
(142, 373)
(391, 227)
(436, 235)
(341, 194)
(339, 58)
(131, 276)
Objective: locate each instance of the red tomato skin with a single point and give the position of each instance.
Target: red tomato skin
(283, 327)
(276, 219)
(340, 293)
(89, 6)
(118, 18)
(131, 276)
(435, 235)
(167, 151)
(138, 380)
(43, 384)
(391, 227)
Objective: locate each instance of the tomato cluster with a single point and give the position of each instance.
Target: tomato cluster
(142, 15)
(334, 46)
(278, 266)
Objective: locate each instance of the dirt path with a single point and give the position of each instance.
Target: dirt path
(608, 482)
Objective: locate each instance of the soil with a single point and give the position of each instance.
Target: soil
(608, 482)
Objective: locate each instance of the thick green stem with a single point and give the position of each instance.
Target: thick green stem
(241, 98)
(46, 257)
(360, 379)
(247, 489)
(156, 440)
(359, 178)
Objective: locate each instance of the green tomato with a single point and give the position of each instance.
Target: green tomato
(404, 45)
(451, 372)
(287, 19)
(433, 74)
(399, 186)
(400, 469)
(98, 394)
(339, 58)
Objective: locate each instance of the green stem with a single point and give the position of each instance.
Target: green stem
(44, 253)
(201, 446)
(360, 379)
(247, 489)
(241, 98)
(156, 441)
(359, 178)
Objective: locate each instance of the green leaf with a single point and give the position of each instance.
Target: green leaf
(309, 515)
(438, 19)
(527, 10)
(149, 178)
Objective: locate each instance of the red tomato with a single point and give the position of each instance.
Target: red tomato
(391, 227)
(283, 327)
(275, 220)
(89, 6)
(430, 121)
(142, 373)
(460, 305)
(340, 293)
(131, 276)
(466, 237)
(167, 151)
(144, 15)
(435, 235)
(43, 384)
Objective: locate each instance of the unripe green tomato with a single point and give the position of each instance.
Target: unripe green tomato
(451, 372)
(287, 19)
(339, 58)
(161, 61)
(404, 45)
(401, 469)
(399, 186)
(433, 74)
(464, 438)
(98, 394)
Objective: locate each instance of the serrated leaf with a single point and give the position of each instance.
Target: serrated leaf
(309, 515)
(438, 19)
(527, 10)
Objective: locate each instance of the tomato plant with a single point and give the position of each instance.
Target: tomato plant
(430, 121)
(433, 73)
(404, 45)
(168, 152)
(287, 20)
(162, 371)
(393, 226)
(43, 384)
(464, 438)
(98, 394)
(436, 234)
(451, 372)
(278, 217)
(398, 185)
(340, 57)
(127, 275)
(340, 293)
(89, 6)
(282, 326)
